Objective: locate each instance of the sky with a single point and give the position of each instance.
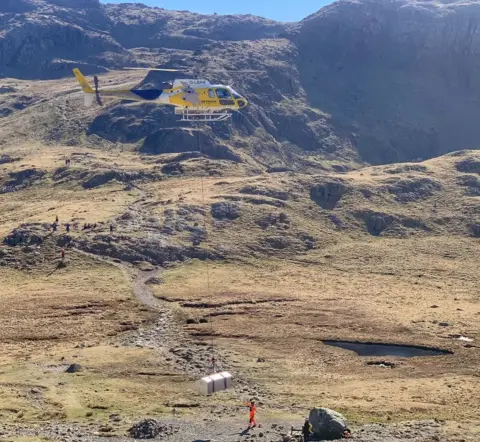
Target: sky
(281, 10)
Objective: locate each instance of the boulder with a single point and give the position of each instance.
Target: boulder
(74, 368)
(278, 242)
(4, 159)
(144, 266)
(174, 168)
(327, 424)
(328, 194)
(225, 210)
(476, 230)
(279, 169)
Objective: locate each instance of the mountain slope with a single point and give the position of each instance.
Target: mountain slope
(267, 235)
(359, 81)
(401, 75)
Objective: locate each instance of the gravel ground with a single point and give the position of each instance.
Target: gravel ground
(233, 431)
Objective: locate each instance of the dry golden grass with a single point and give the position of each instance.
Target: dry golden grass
(85, 301)
(129, 381)
(352, 286)
(377, 291)
(70, 316)
(42, 203)
(29, 439)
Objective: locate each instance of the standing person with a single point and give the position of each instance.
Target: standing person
(54, 226)
(63, 253)
(67, 226)
(253, 410)
(111, 228)
(56, 219)
(307, 430)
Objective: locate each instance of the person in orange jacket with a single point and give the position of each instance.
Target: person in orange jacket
(253, 409)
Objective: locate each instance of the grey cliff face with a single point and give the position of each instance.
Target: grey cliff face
(367, 80)
(403, 72)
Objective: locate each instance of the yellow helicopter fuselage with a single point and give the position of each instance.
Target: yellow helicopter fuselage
(185, 93)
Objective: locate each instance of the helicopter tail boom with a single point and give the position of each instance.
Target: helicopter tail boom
(83, 82)
(89, 92)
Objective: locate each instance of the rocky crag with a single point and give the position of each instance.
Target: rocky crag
(358, 82)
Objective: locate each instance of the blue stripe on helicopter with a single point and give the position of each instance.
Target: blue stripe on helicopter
(147, 94)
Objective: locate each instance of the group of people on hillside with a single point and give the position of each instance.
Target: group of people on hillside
(86, 226)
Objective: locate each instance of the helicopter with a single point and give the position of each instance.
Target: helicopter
(194, 99)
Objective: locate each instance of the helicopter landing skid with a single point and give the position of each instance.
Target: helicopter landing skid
(202, 115)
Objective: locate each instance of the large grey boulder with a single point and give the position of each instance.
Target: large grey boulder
(327, 424)
(225, 210)
(328, 194)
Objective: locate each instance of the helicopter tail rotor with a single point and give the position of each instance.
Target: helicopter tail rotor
(97, 92)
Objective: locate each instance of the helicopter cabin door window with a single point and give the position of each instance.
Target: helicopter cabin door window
(224, 97)
(211, 93)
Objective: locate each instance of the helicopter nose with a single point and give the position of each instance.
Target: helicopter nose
(242, 103)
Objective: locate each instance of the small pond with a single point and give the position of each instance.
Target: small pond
(372, 349)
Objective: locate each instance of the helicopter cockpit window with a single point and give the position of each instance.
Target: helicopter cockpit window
(211, 93)
(235, 94)
(223, 93)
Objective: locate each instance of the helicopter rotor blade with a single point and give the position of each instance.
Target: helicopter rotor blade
(246, 71)
(195, 70)
(152, 69)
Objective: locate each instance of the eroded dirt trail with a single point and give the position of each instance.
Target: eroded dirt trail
(141, 289)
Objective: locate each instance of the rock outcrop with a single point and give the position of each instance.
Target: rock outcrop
(225, 210)
(375, 81)
(177, 140)
(328, 194)
(139, 26)
(327, 424)
(23, 237)
(100, 178)
(45, 39)
(394, 73)
(406, 190)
